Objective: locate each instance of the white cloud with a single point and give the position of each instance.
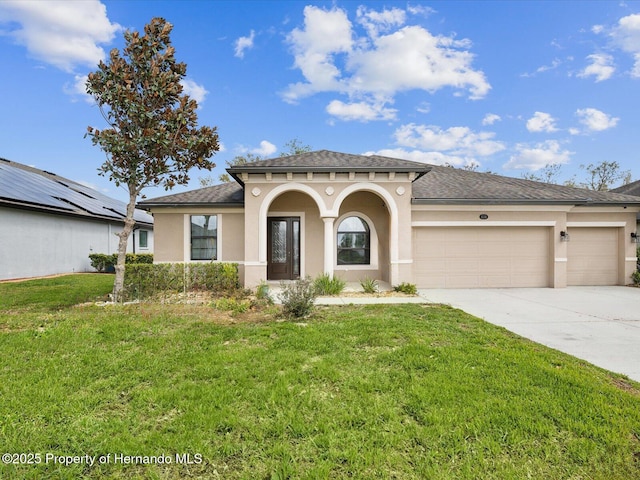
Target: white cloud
(61, 33)
(635, 71)
(78, 89)
(541, 122)
(537, 157)
(195, 91)
(595, 120)
(456, 141)
(244, 43)
(411, 58)
(265, 149)
(626, 36)
(434, 158)
(490, 119)
(325, 34)
(627, 33)
(375, 22)
(601, 67)
(378, 65)
(361, 111)
(544, 68)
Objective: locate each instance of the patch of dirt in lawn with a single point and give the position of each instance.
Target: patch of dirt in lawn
(623, 384)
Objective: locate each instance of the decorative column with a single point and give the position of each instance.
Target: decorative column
(329, 245)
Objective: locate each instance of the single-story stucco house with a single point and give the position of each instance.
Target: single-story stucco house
(50, 224)
(397, 221)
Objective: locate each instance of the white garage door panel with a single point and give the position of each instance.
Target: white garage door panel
(592, 255)
(490, 257)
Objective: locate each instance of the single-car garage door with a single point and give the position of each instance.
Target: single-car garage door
(473, 257)
(592, 256)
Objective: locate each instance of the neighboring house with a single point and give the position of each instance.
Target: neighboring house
(398, 221)
(50, 225)
(632, 188)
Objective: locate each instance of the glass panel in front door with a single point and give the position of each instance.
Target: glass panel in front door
(279, 241)
(295, 224)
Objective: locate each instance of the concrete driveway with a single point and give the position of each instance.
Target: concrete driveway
(598, 324)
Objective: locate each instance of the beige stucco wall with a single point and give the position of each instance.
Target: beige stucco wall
(169, 239)
(329, 192)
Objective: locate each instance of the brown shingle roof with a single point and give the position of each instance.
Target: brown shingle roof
(455, 186)
(325, 160)
(435, 184)
(632, 188)
(226, 194)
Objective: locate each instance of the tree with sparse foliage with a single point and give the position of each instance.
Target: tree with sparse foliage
(548, 174)
(604, 175)
(294, 147)
(235, 162)
(601, 176)
(153, 138)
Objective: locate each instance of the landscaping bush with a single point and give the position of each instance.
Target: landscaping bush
(369, 285)
(404, 287)
(635, 276)
(106, 263)
(327, 285)
(147, 280)
(102, 262)
(297, 297)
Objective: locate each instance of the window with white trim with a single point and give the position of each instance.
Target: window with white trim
(144, 239)
(204, 237)
(354, 242)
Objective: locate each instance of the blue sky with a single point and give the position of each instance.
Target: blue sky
(511, 86)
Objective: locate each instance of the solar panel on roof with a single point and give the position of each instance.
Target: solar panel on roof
(31, 187)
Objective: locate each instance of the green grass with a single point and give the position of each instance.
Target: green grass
(55, 293)
(405, 392)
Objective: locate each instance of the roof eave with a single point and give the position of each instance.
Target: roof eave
(491, 201)
(236, 172)
(517, 201)
(148, 206)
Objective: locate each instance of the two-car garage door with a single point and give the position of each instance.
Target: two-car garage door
(475, 257)
(506, 256)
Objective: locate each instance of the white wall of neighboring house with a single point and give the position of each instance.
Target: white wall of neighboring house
(36, 244)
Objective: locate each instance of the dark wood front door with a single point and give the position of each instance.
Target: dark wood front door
(283, 248)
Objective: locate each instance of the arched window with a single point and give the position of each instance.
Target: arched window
(354, 242)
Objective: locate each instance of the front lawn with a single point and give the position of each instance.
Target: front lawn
(408, 391)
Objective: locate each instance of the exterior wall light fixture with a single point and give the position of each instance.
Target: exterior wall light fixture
(564, 236)
(635, 238)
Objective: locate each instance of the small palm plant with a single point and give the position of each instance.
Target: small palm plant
(369, 285)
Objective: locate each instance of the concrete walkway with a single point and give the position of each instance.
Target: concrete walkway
(598, 324)
(352, 295)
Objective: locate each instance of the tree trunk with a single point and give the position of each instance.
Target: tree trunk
(129, 222)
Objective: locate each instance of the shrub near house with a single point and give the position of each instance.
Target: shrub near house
(105, 263)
